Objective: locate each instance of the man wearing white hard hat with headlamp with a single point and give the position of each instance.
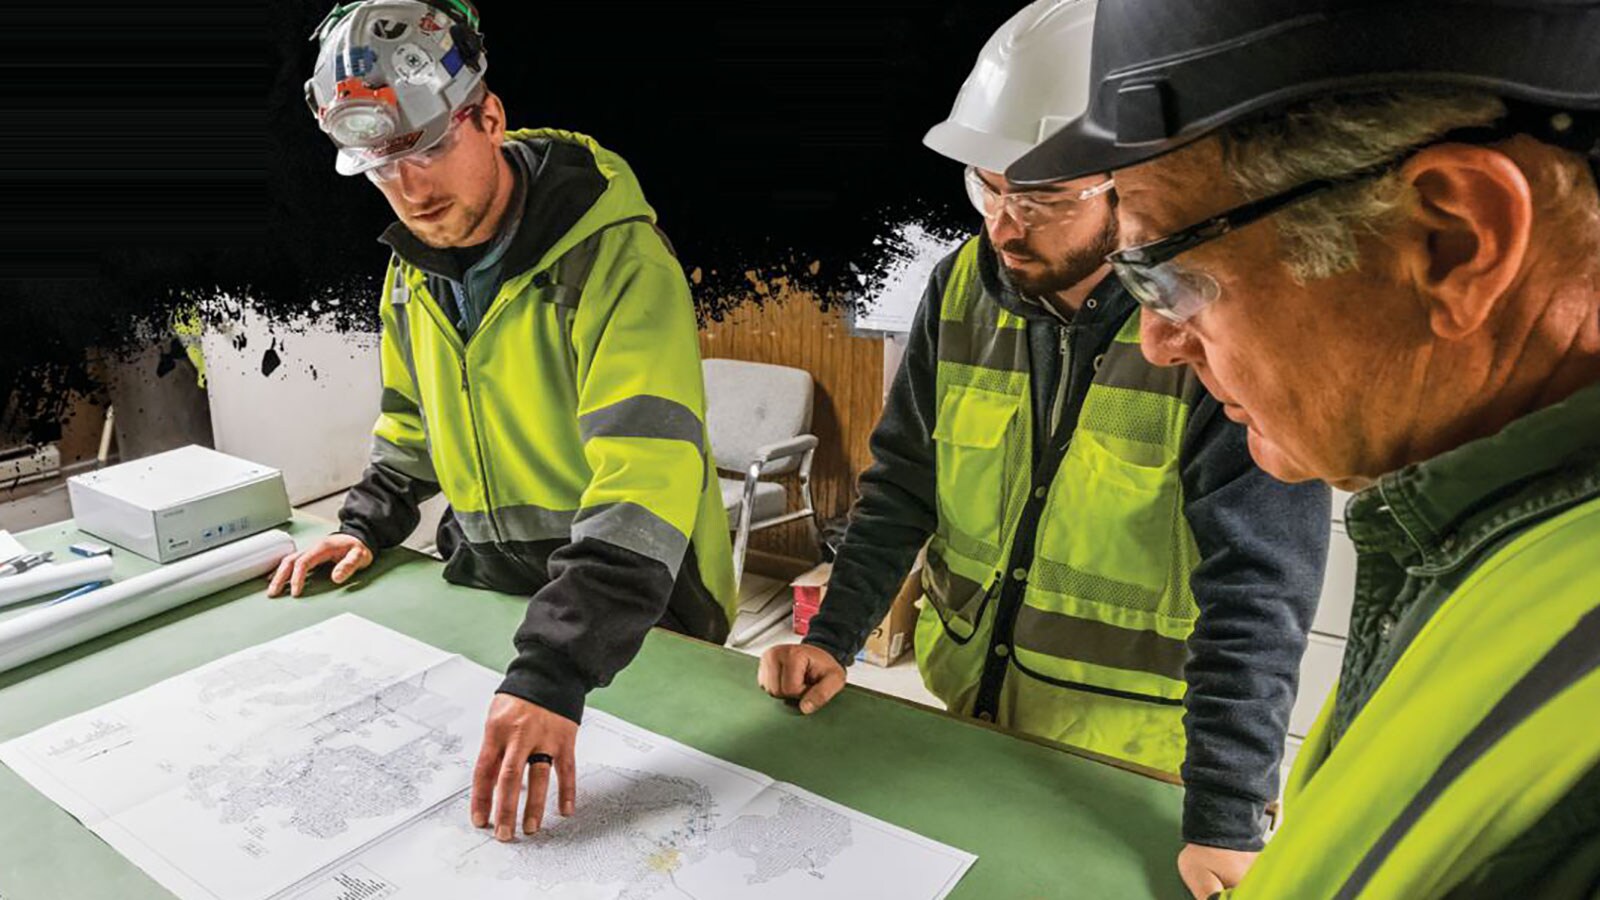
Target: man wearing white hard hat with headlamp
(1106, 567)
(541, 367)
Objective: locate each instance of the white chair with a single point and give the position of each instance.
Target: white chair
(759, 416)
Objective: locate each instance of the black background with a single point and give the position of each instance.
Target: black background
(138, 166)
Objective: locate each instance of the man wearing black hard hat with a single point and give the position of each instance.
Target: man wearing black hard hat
(1373, 230)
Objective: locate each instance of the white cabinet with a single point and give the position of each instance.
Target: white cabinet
(1340, 499)
(1319, 669)
(1338, 586)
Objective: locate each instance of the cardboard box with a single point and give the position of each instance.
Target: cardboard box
(178, 503)
(890, 640)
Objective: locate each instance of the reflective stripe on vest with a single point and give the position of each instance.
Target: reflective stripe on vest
(1107, 606)
(1484, 723)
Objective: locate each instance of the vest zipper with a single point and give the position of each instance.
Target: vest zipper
(986, 704)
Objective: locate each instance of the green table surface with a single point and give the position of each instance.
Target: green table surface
(1043, 823)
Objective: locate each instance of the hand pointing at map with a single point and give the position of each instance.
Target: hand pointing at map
(518, 736)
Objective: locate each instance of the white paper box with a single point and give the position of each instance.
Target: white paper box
(178, 503)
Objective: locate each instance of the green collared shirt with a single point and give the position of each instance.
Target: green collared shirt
(1420, 531)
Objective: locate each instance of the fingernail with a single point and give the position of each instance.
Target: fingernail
(806, 708)
(530, 827)
(480, 821)
(503, 833)
(566, 808)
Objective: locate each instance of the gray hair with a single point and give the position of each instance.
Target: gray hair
(1333, 137)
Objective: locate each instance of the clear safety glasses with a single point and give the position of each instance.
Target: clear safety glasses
(1031, 209)
(422, 159)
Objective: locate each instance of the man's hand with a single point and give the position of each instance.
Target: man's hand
(351, 553)
(1209, 870)
(515, 731)
(803, 671)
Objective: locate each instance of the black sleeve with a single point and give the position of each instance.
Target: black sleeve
(586, 624)
(898, 504)
(381, 510)
(1263, 547)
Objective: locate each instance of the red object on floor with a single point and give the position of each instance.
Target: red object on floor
(808, 591)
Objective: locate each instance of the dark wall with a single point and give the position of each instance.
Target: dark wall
(140, 168)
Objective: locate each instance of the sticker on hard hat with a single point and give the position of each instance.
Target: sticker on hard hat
(361, 60)
(356, 89)
(412, 65)
(389, 148)
(389, 29)
(434, 25)
(452, 61)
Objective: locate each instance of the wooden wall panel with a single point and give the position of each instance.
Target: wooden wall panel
(789, 328)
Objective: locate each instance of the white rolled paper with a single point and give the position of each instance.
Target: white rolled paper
(48, 579)
(29, 636)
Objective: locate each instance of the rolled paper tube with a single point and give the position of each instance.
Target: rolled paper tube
(48, 579)
(43, 631)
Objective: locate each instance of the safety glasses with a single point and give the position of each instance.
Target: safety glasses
(1031, 209)
(1161, 284)
(422, 159)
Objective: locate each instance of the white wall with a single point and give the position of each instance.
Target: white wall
(312, 416)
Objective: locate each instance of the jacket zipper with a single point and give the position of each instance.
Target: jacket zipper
(477, 447)
(489, 316)
(1063, 383)
(452, 337)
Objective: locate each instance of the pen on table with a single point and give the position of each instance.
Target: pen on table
(78, 592)
(19, 564)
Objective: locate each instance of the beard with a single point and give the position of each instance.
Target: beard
(453, 229)
(1065, 272)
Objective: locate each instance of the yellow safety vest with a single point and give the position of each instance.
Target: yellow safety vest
(1485, 721)
(1096, 655)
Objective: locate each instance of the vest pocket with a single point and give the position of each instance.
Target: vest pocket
(1113, 528)
(971, 459)
(950, 665)
(1108, 606)
(958, 601)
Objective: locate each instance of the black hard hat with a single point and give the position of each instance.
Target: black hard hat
(1166, 72)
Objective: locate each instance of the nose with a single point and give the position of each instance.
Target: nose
(1167, 343)
(1005, 227)
(414, 183)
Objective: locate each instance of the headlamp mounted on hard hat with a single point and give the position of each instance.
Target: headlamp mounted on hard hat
(392, 75)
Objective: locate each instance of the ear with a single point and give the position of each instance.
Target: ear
(1470, 233)
(494, 118)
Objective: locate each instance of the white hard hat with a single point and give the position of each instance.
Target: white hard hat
(1031, 79)
(392, 74)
